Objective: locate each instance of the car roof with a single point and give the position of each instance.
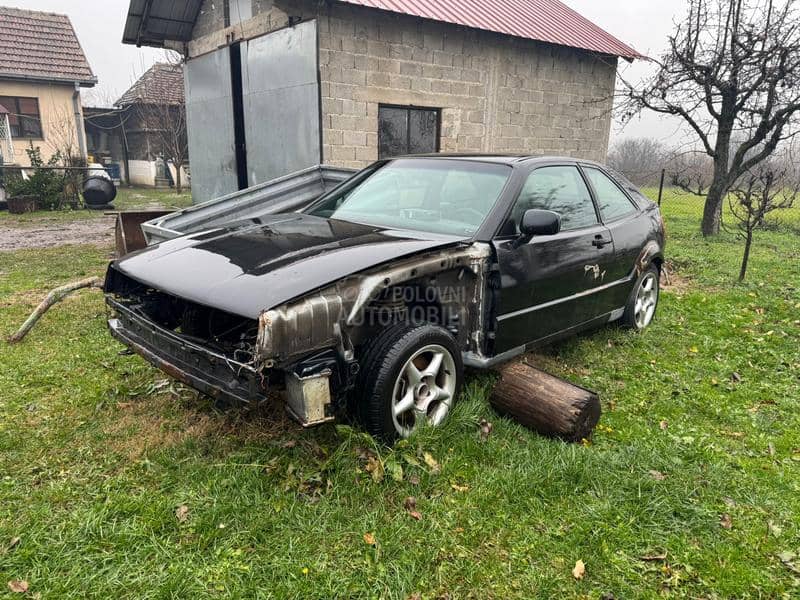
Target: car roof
(506, 159)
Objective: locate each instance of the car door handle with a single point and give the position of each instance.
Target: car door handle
(600, 242)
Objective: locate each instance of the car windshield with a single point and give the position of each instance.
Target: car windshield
(451, 197)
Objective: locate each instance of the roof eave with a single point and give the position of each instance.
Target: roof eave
(87, 83)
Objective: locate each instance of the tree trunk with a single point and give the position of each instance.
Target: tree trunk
(712, 213)
(546, 404)
(178, 186)
(746, 258)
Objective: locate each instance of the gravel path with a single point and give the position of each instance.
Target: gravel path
(50, 234)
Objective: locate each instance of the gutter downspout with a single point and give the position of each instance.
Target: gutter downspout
(76, 104)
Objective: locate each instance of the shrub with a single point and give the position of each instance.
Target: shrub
(45, 184)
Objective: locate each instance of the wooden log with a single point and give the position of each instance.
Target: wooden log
(57, 295)
(548, 405)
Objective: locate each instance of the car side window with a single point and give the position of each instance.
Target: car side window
(613, 203)
(560, 189)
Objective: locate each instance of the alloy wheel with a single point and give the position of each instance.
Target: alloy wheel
(646, 301)
(424, 390)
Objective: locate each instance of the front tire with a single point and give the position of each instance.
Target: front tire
(643, 302)
(411, 374)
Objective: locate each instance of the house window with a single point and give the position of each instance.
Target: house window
(24, 117)
(404, 130)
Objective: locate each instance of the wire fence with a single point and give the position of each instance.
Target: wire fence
(679, 203)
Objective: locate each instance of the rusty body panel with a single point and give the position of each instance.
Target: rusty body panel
(128, 233)
(337, 316)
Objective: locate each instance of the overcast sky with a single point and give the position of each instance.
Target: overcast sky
(643, 25)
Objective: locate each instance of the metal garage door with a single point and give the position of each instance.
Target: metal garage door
(210, 125)
(281, 102)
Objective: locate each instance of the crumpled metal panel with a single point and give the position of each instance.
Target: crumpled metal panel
(281, 102)
(283, 195)
(209, 120)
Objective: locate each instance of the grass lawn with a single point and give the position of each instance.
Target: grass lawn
(127, 199)
(690, 487)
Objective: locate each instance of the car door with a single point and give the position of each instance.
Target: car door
(548, 284)
(629, 230)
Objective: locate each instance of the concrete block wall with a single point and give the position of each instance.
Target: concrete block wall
(497, 94)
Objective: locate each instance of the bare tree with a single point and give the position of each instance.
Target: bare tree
(159, 101)
(168, 123)
(692, 172)
(732, 70)
(772, 185)
(639, 159)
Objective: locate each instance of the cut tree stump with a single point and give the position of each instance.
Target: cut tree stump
(57, 295)
(548, 405)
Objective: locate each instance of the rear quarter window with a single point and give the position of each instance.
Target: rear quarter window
(612, 201)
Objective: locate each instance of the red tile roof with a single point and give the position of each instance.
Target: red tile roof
(161, 84)
(41, 46)
(542, 20)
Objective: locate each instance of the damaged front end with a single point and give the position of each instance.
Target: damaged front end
(308, 347)
(209, 350)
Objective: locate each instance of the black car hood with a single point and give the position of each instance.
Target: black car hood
(253, 266)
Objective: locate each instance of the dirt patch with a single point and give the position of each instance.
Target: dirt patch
(53, 233)
(673, 281)
(139, 426)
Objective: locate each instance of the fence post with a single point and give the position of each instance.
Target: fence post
(661, 186)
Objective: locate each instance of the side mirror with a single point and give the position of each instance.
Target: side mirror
(540, 222)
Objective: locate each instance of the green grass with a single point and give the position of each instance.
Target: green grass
(128, 199)
(97, 451)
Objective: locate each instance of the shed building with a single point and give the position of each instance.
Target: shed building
(274, 86)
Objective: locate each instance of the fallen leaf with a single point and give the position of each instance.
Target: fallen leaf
(13, 543)
(735, 377)
(182, 513)
(369, 539)
(725, 521)
(414, 514)
(788, 560)
(579, 571)
(414, 480)
(431, 462)
(395, 469)
(415, 596)
(658, 475)
(714, 381)
(694, 350)
(375, 468)
(774, 529)
(486, 429)
(410, 503)
(18, 586)
(411, 460)
(459, 488)
(664, 425)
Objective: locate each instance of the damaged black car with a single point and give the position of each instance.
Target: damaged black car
(370, 302)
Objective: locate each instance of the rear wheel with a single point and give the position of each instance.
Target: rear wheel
(641, 307)
(411, 375)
